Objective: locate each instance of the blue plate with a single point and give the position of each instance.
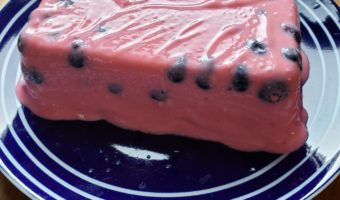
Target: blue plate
(95, 160)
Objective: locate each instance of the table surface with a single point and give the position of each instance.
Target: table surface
(9, 192)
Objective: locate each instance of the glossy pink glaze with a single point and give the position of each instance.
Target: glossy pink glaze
(141, 41)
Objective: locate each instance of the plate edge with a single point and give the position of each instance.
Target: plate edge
(4, 171)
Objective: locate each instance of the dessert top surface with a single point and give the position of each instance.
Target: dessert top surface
(255, 33)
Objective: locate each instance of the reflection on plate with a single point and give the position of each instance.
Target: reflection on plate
(68, 160)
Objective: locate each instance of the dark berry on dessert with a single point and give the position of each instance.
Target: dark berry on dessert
(76, 59)
(115, 88)
(177, 72)
(54, 35)
(70, 2)
(241, 81)
(20, 45)
(294, 31)
(47, 15)
(293, 54)
(207, 65)
(261, 12)
(273, 92)
(203, 81)
(102, 29)
(207, 62)
(67, 2)
(77, 43)
(33, 75)
(159, 95)
(256, 46)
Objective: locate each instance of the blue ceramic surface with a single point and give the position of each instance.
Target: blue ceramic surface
(96, 160)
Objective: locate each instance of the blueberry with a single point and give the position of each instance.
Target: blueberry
(102, 29)
(67, 2)
(33, 75)
(256, 46)
(177, 73)
(203, 82)
(159, 95)
(20, 45)
(241, 81)
(207, 61)
(273, 92)
(260, 11)
(115, 88)
(293, 31)
(77, 43)
(293, 54)
(76, 58)
(54, 35)
(47, 15)
(70, 2)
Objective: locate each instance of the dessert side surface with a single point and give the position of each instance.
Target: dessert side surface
(226, 71)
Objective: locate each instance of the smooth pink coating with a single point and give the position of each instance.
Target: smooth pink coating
(141, 40)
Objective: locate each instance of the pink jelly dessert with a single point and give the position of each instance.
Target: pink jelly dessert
(220, 70)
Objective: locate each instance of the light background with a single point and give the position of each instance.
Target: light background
(2, 2)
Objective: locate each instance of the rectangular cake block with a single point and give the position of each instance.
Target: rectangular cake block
(220, 70)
